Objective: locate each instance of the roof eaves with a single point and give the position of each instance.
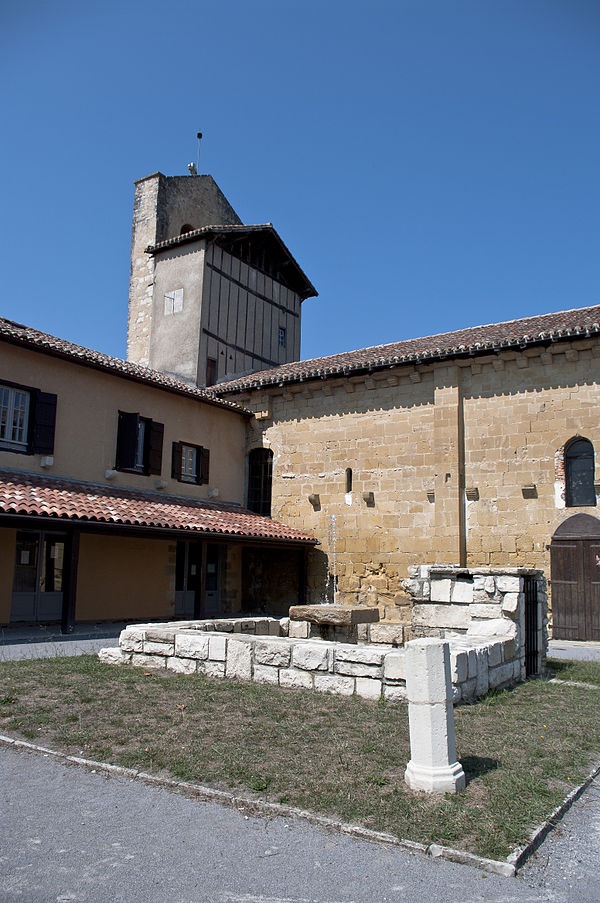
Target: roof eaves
(25, 336)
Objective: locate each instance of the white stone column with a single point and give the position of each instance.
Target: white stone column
(433, 766)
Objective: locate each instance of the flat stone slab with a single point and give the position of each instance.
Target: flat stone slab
(334, 615)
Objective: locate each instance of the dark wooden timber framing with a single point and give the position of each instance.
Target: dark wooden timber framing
(251, 291)
(238, 348)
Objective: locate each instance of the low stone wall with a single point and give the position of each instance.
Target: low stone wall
(256, 649)
(476, 603)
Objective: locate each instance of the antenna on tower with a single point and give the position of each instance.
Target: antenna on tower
(193, 167)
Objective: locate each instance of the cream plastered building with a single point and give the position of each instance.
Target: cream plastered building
(121, 494)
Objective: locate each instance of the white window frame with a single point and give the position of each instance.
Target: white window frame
(189, 463)
(173, 302)
(14, 433)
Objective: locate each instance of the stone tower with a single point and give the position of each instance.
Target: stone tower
(209, 298)
(163, 206)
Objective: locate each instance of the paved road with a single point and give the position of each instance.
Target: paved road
(570, 649)
(71, 836)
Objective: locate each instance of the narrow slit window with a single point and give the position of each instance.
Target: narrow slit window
(348, 479)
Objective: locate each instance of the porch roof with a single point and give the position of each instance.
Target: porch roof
(34, 495)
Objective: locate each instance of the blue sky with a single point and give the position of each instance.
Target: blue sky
(431, 164)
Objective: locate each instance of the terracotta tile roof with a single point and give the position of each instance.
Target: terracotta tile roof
(41, 496)
(464, 342)
(305, 287)
(17, 334)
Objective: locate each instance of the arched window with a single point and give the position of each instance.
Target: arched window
(348, 480)
(579, 473)
(260, 474)
(185, 229)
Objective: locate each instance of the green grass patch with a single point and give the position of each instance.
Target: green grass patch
(585, 672)
(523, 750)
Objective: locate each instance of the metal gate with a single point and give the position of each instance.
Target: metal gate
(532, 648)
(575, 579)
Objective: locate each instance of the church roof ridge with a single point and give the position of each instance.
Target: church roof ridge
(469, 341)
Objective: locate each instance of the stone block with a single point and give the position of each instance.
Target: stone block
(459, 666)
(272, 653)
(508, 650)
(212, 669)
(238, 664)
(472, 664)
(482, 681)
(440, 590)
(160, 635)
(299, 630)
(510, 602)
(502, 675)
(261, 627)
(394, 666)
(217, 648)
(427, 671)
(311, 657)
(132, 639)
(150, 662)
(182, 665)
(395, 693)
(284, 626)
(192, 646)
(298, 680)
(114, 656)
(151, 648)
(276, 628)
(508, 584)
(495, 654)
(366, 655)
(485, 610)
(467, 689)
(333, 615)
(368, 688)
(333, 683)
(355, 669)
(441, 616)
(462, 592)
(391, 634)
(499, 627)
(490, 585)
(264, 674)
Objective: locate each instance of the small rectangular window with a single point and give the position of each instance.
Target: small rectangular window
(139, 444)
(190, 463)
(173, 302)
(282, 337)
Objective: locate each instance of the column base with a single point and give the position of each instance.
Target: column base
(441, 779)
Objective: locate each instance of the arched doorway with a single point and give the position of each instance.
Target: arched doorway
(575, 579)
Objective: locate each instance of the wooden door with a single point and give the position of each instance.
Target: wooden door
(575, 579)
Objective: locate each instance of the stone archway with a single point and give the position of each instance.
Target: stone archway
(575, 579)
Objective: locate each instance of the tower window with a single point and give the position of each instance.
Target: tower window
(173, 302)
(579, 473)
(348, 479)
(211, 371)
(282, 337)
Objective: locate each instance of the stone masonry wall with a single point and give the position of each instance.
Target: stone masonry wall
(252, 650)
(459, 459)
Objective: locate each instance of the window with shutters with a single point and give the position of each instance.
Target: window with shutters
(579, 473)
(139, 444)
(190, 463)
(27, 420)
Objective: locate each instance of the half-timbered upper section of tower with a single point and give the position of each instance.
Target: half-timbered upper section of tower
(210, 298)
